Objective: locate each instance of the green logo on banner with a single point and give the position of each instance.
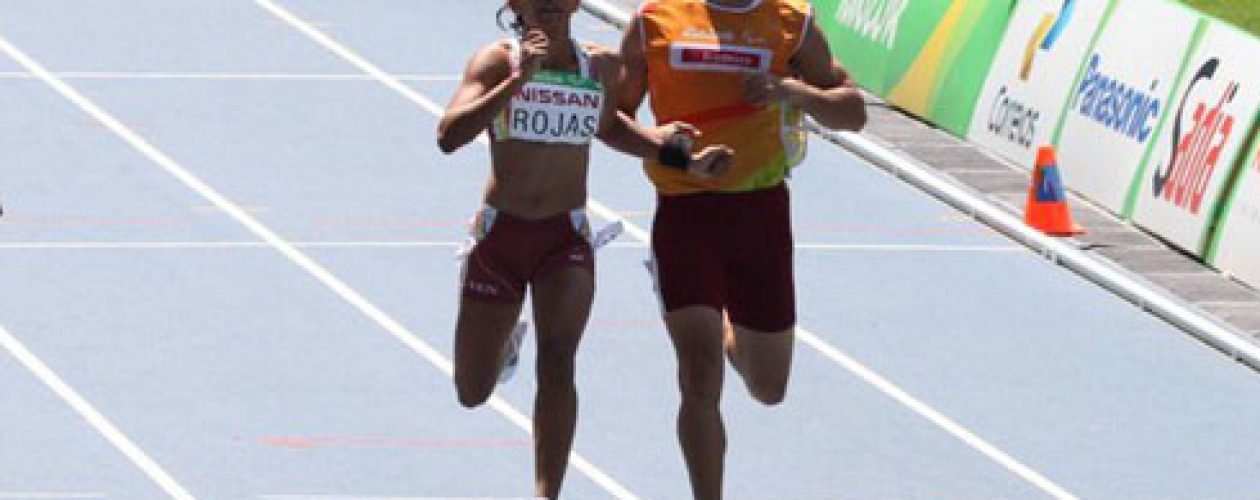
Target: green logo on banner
(928, 57)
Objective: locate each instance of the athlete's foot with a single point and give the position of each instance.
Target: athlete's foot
(512, 352)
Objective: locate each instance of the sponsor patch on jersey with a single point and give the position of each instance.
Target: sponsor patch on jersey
(720, 58)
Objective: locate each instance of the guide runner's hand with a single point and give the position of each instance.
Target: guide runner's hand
(762, 89)
(712, 161)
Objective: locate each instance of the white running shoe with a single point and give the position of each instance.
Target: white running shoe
(607, 234)
(512, 352)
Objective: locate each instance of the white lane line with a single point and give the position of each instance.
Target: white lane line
(931, 414)
(369, 497)
(370, 70)
(214, 245)
(48, 495)
(264, 233)
(158, 75)
(642, 235)
(884, 247)
(211, 245)
(577, 460)
(88, 412)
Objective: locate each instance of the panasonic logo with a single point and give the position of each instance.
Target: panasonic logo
(1117, 105)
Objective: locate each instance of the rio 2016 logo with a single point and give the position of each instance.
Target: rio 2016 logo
(1044, 38)
(1184, 179)
(875, 20)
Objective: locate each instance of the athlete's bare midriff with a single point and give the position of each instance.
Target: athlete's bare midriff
(535, 181)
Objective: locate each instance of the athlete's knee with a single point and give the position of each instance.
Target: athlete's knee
(769, 393)
(556, 363)
(471, 400)
(697, 336)
(765, 363)
(700, 381)
(768, 386)
(472, 393)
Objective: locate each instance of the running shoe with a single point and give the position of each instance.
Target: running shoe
(512, 352)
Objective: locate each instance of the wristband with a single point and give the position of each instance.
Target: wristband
(675, 152)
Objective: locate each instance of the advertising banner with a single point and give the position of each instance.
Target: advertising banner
(862, 34)
(1237, 247)
(938, 68)
(1122, 94)
(928, 57)
(1033, 74)
(1176, 194)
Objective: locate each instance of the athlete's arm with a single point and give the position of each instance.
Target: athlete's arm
(632, 84)
(625, 86)
(618, 132)
(487, 87)
(821, 87)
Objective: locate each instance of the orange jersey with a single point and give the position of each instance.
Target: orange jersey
(697, 54)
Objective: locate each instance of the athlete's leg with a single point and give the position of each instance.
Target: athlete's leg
(762, 359)
(761, 297)
(696, 332)
(562, 305)
(689, 263)
(481, 335)
(490, 303)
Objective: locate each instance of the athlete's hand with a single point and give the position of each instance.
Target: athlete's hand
(712, 161)
(534, 46)
(674, 128)
(762, 89)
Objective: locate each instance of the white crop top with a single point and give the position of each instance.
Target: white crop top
(552, 107)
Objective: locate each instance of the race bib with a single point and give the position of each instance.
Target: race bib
(554, 107)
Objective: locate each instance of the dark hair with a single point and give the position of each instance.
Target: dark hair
(516, 26)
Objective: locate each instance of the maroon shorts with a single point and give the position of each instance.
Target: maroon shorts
(730, 251)
(511, 252)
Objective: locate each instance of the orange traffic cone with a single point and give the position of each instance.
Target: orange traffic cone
(1047, 209)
